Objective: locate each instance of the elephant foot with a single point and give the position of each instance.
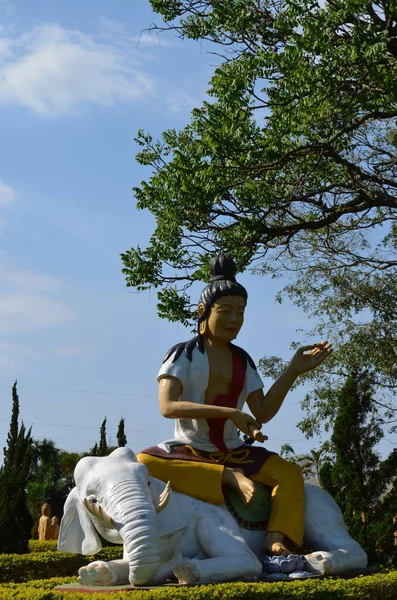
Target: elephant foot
(96, 573)
(320, 562)
(186, 572)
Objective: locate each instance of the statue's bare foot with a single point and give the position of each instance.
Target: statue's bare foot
(274, 544)
(186, 572)
(236, 479)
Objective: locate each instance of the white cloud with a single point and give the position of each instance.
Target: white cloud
(5, 47)
(23, 312)
(12, 356)
(7, 195)
(52, 70)
(29, 280)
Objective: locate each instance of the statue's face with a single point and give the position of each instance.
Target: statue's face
(225, 319)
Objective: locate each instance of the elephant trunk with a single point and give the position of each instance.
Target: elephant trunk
(139, 534)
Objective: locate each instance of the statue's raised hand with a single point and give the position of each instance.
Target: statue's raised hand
(309, 357)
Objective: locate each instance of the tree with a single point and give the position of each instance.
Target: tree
(13, 433)
(121, 437)
(357, 478)
(294, 154)
(311, 462)
(357, 311)
(15, 520)
(101, 449)
(67, 463)
(308, 464)
(289, 166)
(50, 477)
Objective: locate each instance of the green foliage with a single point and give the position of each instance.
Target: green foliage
(355, 475)
(13, 434)
(43, 546)
(101, 449)
(41, 572)
(294, 152)
(356, 310)
(50, 477)
(15, 520)
(376, 587)
(121, 437)
(308, 464)
(42, 565)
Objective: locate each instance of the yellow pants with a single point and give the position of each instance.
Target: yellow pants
(204, 482)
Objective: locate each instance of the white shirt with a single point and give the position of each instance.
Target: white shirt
(194, 377)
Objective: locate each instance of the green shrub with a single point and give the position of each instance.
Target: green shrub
(43, 545)
(19, 573)
(18, 568)
(376, 587)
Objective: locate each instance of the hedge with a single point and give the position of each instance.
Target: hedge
(43, 545)
(18, 568)
(52, 545)
(374, 587)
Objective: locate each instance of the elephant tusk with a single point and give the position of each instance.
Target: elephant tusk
(163, 499)
(98, 511)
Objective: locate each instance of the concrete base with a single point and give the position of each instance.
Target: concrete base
(92, 589)
(95, 589)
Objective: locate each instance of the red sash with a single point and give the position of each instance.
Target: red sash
(217, 426)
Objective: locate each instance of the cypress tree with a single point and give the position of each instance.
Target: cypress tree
(93, 451)
(121, 437)
(12, 437)
(15, 520)
(355, 434)
(103, 447)
(356, 477)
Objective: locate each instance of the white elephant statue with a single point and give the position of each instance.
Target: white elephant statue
(164, 532)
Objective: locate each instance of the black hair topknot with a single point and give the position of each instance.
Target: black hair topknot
(222, 283)
(222, 267)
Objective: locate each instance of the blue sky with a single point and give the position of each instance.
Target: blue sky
(77, 80)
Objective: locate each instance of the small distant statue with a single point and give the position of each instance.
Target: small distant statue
(54, 528)
(45, 530)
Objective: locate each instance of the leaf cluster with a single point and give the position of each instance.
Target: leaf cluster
(293, 152)
(363, 486)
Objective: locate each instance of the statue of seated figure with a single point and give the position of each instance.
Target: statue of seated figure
(54, 528)
(204, 384)
(45, 531)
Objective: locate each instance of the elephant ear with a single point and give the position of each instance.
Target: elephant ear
(77, 532)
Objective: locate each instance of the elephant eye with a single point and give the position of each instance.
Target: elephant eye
(92, 499)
